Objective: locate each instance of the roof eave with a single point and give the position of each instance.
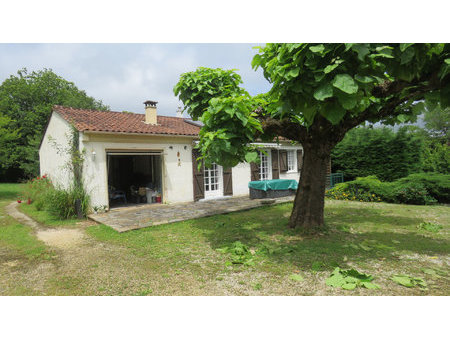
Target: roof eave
(136, 134)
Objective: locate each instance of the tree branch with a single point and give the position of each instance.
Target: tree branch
(284, 128)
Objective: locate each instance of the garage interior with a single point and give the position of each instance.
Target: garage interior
(134, 178)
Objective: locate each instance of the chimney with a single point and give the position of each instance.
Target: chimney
(179, 112)
(150, 112)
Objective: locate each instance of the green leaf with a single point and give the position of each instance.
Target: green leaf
(330, 68)
(447, 61)
(364, 78)
(251, 157)
(335, 280)
(296, 277)
(348, 101)
(317, 49)
(323, 92)
(369, 285)
(349, 286)
(294, 72)
(403, 280)
(333, 113)
(345, 83)
(404, 46)
(361, 49)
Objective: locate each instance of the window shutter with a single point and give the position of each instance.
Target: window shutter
(198, 177)
(254, 171)
(228, 182)
(275, 165)
(299, 159)
(283, 161)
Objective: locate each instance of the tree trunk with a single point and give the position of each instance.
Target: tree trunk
(308, 210)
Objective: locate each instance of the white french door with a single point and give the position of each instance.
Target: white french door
(213, 180)
(265, 167)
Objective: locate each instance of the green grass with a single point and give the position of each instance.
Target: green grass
(372, 231)
(16, 239)
(44, 217)
(185, 258)
(10, 191)
(361, 235)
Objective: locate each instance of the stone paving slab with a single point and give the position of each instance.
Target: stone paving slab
(142, 216)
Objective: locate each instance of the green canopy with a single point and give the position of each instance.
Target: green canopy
(273, 185)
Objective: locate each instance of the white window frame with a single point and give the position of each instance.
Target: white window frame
(291, 161)
(268, 155)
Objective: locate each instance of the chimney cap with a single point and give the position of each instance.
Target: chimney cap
(150, 103)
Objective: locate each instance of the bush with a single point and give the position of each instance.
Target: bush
(437, 185)
(410, 193)
(62, 203)
(422, 189)
(353, 191)
(36, 191)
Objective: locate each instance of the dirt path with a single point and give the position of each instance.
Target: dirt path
(57, 238)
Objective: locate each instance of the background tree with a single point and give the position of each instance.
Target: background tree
(319, 92)
(437, 121)
(27, 100)
(8, 137)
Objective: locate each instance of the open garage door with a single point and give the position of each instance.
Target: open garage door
(134, 177)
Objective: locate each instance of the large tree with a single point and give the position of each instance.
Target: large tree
(319, 92)
(26, 99)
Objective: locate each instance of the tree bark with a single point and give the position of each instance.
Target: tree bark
(308, 210)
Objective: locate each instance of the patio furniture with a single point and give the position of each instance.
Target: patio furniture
(272, 188)
(116, 194)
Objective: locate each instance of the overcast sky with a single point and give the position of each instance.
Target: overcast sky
(123, 76)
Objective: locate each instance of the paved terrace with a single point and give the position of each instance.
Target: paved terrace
(142, 216)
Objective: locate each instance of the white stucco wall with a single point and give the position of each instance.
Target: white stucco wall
(53, 153)
(177, 178)
(241, 177)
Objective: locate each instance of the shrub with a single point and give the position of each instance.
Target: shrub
(36, 190)
(345, 192)
(422, 189)
(411, 193)
(437, 185)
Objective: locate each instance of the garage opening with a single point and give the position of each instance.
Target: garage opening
(134, 178)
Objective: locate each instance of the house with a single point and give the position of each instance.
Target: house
(146, 154)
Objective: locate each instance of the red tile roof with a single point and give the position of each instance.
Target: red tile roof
(118, 122)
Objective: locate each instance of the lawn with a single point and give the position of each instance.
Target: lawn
(197, 257)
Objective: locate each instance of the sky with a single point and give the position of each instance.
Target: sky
(123, 76)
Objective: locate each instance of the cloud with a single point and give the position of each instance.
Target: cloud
(125, 75)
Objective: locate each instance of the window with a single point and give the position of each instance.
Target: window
(264, 168)
(291, 163)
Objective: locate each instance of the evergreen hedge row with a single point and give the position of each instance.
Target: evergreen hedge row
(381, 152)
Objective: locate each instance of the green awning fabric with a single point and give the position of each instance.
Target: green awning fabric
(273, 185)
